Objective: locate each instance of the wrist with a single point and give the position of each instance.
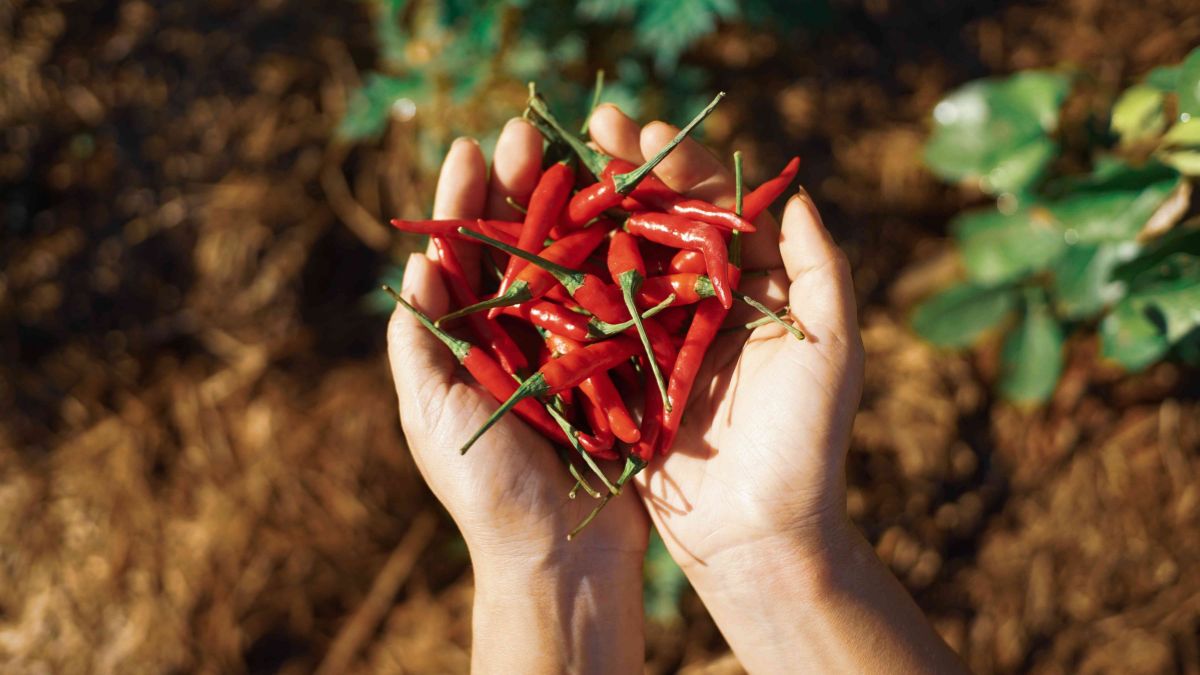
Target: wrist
(577, 611)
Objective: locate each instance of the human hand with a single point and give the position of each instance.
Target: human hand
(542, 604)
(760, 455)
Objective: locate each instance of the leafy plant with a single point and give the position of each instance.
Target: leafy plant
(460, 66)
(1056, 253)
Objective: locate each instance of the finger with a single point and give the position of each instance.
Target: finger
(516, 166)
(461, 191)
(690, 168)
(615, 134)
(422, 367)
(822, 289)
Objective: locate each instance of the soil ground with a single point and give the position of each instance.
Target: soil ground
(200, 465)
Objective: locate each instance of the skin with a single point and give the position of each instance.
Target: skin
(750, 502)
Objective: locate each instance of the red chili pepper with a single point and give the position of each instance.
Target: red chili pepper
(651, 428)
(687, 287)
(674, 319)
(602, 437)
(665, 228)
(627, 268)
(687, 261)
(448, 227)
(615, 185)
(563, 373)
(488, 373)
(600, 390)
(487, 330)
(761, 197)
(692, 209)
(705, 324)
(545, 205)
(533, 282)
(559, 320)
(588, 290)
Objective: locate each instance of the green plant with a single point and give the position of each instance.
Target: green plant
(460, 66)
(1058, 252)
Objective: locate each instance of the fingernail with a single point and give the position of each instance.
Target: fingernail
(513, 121)
(463, 140)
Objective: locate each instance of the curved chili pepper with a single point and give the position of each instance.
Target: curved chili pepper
(559, 320)
(692, 209)
(705, 324)
(651, 428)
(600, 390)
(588, 290)
(614, 185)
(545, 204)
(761, 197)
(687, 261)
(488, 373)
(687, 287)
(448, 227)
(602, 435)
(533, 282)
(487, 330)
(627, 268)
(665, 228)
(565, 372)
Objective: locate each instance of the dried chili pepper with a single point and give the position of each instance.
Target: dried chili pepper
(565, 372)
(664, 228)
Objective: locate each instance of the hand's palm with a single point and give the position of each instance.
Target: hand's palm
(512, 484)
(764, 435)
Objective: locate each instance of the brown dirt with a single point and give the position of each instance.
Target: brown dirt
(201, 467)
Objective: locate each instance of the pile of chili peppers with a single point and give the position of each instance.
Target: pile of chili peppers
(626, 282)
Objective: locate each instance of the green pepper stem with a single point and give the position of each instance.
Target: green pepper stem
(516, 205)
(534, 386)
(589, 518)
(515, 295)
(599, 89)
(459, 347)
(580, 483)
(571, 279)
(625, 182)
(761, 321)
(768, 314)
(553, 131)
(629, 282)
(735, 240)
(587, 459)
(604, 329)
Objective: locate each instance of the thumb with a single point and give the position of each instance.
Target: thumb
(422, 367)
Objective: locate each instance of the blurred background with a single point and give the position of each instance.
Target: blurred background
(201, 469)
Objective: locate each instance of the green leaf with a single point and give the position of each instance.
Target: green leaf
(1181, 147)
(1032, 359)
(1160, 259)
(1142, 328)
(960, 314)
(1111, 210)
(1138, 114)
(998, 247)
(667, 29)
(367, 113)
(1083, 283)
(1188, 86)
(996, 132)
(1130, 338)
(1163, 78)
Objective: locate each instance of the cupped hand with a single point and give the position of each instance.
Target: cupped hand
(760, 455)
(508, 495)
